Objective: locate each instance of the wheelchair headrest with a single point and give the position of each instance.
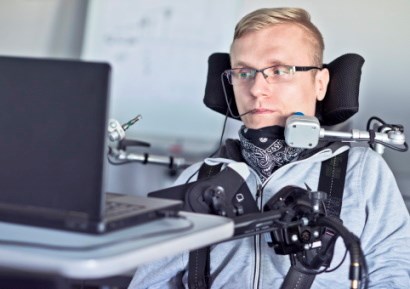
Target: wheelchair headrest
(340, 103)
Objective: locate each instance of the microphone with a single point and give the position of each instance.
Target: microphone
(116, 131)
(304, 132)
(245, 113)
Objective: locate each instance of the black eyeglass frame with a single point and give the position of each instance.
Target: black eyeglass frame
(292, 69)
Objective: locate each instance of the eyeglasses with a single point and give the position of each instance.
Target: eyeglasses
(272, 74)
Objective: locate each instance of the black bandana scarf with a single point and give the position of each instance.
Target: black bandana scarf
(265, 149)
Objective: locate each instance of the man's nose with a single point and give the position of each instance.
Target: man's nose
(259, 87)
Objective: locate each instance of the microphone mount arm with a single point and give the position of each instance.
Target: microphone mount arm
(305, 131)
(381, 139)
(117, 153)
(120, 156)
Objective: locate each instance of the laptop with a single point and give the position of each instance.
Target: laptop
(53, 145)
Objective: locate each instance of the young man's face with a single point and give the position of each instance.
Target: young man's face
(272, 103)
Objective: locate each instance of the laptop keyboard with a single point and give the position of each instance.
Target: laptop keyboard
(113, 208)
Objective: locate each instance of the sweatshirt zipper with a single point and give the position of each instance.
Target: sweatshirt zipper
(257, 244)
(257, 238)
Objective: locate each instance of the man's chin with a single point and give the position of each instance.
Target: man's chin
(260, 123)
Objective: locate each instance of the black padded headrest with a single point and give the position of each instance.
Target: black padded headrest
(340, 103)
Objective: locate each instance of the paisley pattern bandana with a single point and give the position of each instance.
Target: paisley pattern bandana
(265, 149)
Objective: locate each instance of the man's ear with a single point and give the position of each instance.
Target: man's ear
(321, 82)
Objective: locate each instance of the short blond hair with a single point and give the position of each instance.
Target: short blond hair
(265, 17)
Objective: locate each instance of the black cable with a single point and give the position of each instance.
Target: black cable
(340, 264)
(228, 102)
(358, 267)
(324, 270)
(99, 246)
(382, 127)
(222, 134)
(213, 153)
(374, 118)
(404, 149)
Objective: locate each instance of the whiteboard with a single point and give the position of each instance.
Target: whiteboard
(158, 51)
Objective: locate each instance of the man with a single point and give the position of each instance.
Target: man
(276, 57)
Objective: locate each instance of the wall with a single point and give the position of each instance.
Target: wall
(42, 27)
(377, 31)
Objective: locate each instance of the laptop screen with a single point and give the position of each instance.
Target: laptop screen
(52, 133)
